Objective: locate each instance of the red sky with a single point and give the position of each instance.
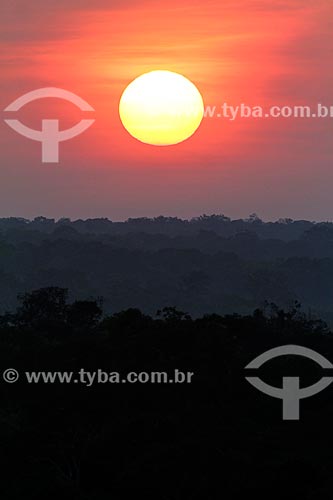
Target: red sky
(244, 51)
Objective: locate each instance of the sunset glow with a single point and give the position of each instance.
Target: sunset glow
(161, 108)
(251, 52)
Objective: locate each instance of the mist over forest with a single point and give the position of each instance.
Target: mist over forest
(209, 264)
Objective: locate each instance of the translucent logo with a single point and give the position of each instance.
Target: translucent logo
(50, 136)
(290, 393)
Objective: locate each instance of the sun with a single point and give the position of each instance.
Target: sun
(161, 108)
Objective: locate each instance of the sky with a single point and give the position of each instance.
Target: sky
(254, 52)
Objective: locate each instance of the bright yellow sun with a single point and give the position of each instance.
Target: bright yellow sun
(161, 108)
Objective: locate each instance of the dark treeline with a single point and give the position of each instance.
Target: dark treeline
(283, 229)
(207, 264)
(214, 438)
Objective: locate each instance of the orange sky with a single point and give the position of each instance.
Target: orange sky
(234, 51)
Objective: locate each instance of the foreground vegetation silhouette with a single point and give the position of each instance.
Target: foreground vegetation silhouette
(214, 438)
